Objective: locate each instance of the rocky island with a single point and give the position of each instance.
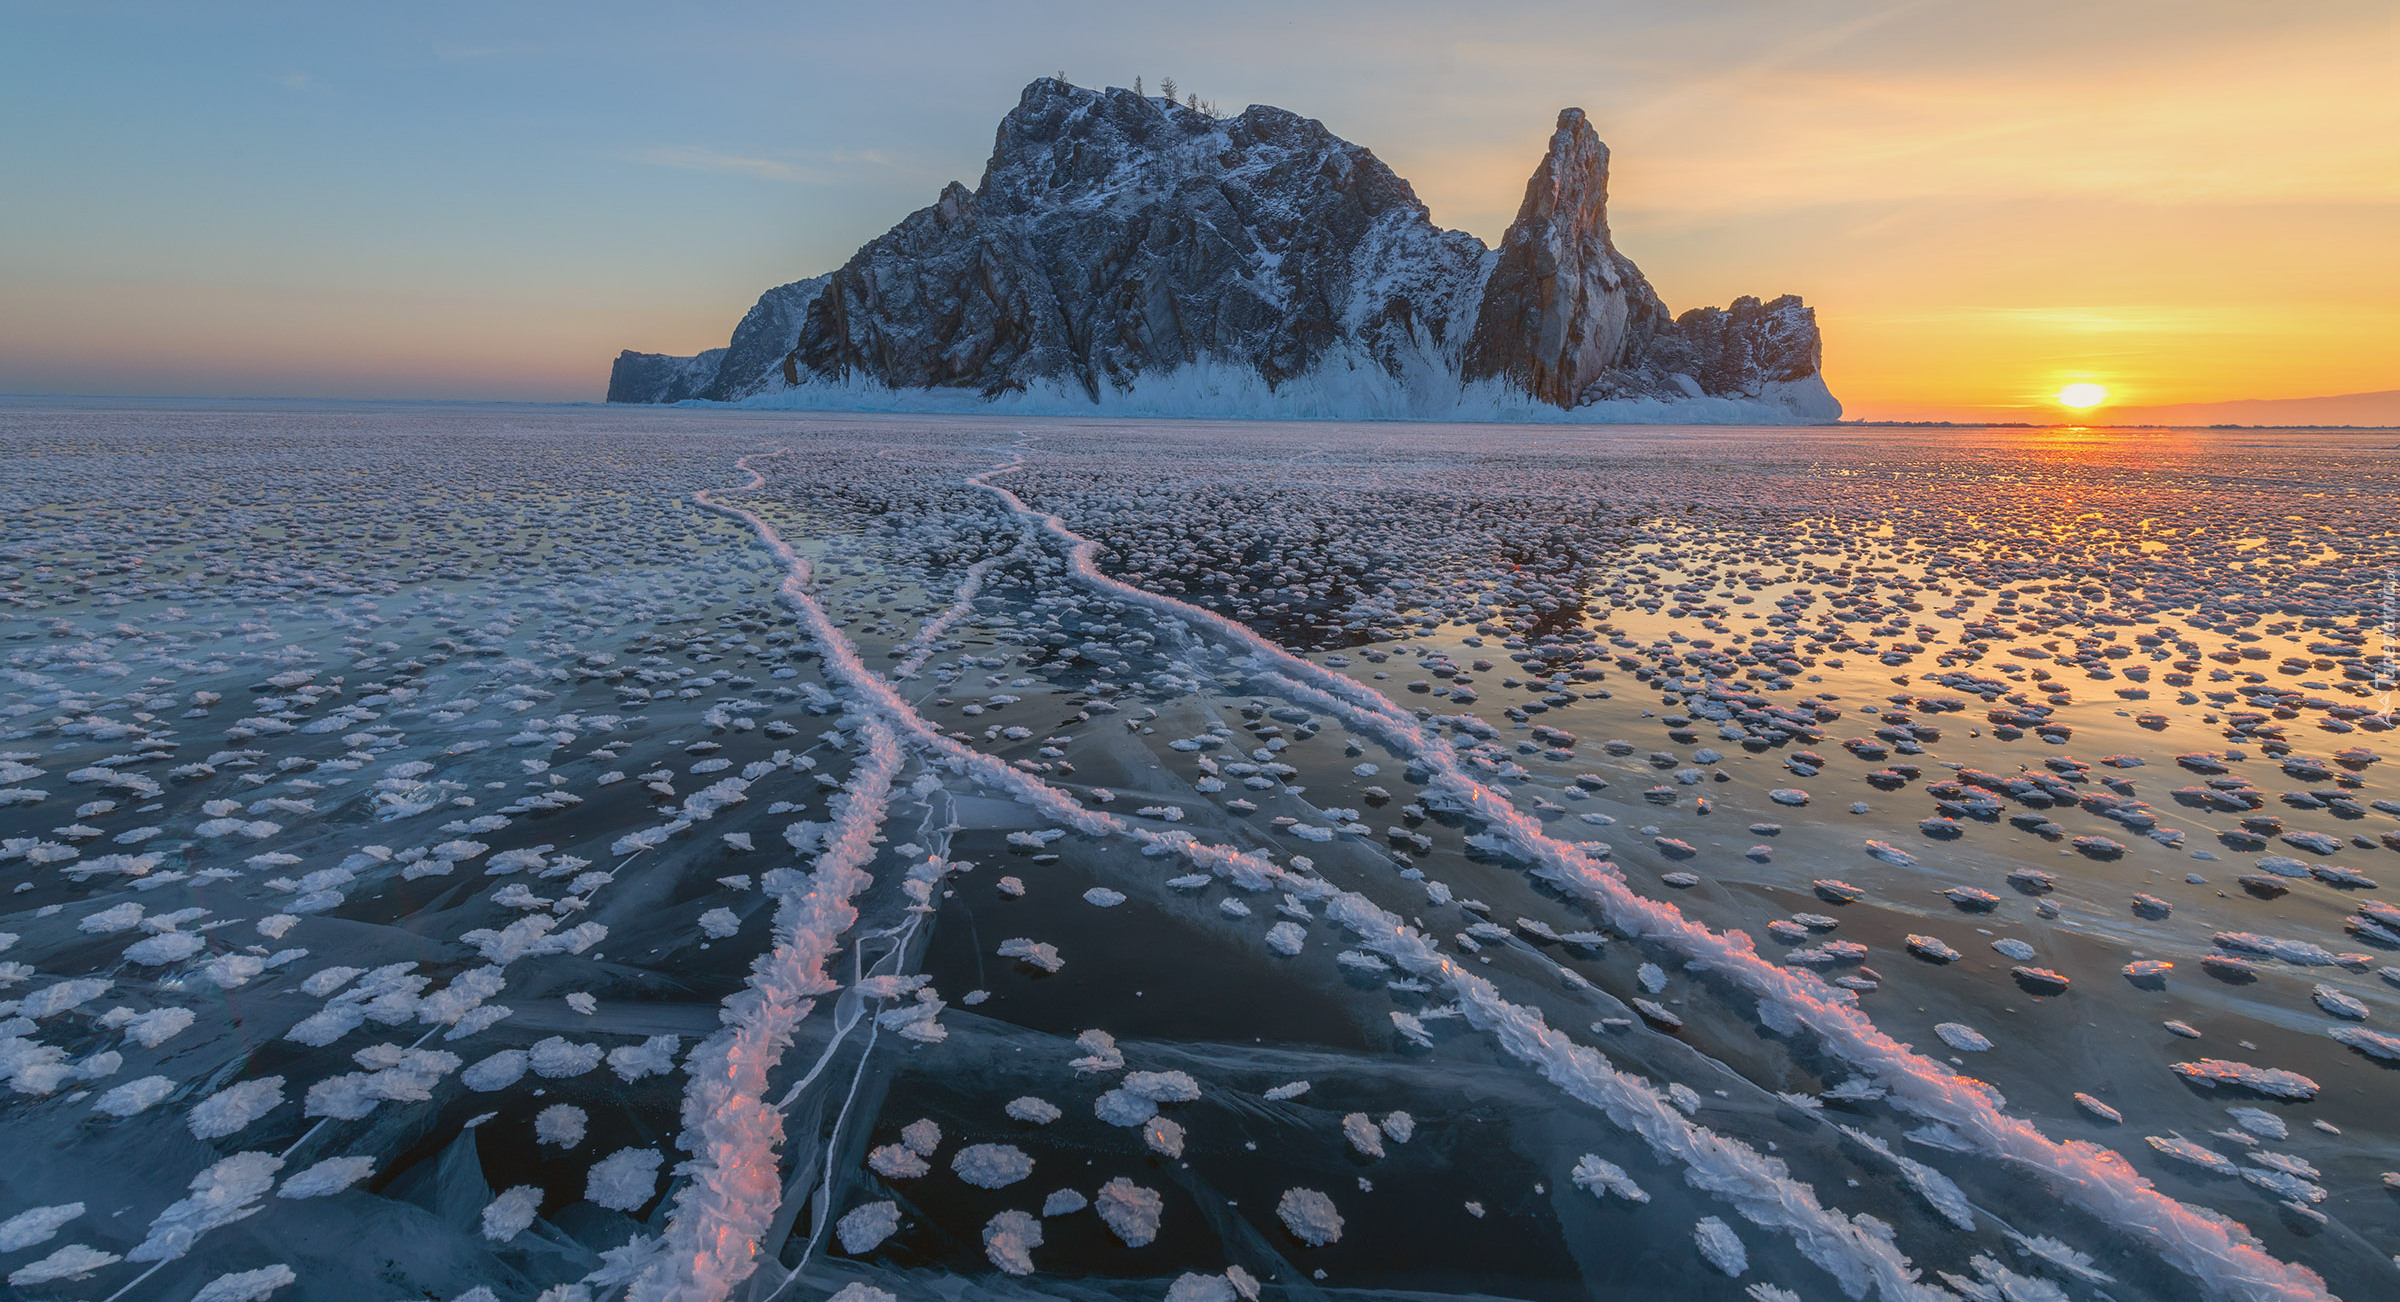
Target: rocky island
(1130, 255)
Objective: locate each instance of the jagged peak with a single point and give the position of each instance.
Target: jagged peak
(1061, 138)
(1041, 90)
(1562, 307)
(1116, 239)
(1049, 99)
(1571, 178)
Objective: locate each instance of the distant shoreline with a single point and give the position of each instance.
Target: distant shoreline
(8, 400)
(2082, 424)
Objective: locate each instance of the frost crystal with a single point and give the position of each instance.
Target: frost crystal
(1009, 1240)
(991, 1166)
(508, 1215)
(1363, 1134)
(1131, 1211)
(1124, 1108)
(1605, 1177)
(864, 1227)
(37, 1225)
(625, 1179)
(330, 1176)
(73, 1261)
(559, 1058)
(561, 1124)
(135, 1096)
(220, 1195)
(1036, 954)
(1040, 1112)
(246, 1285)
(1310, 1216)
(2263, 1080)
(1721, 1246)
(1162, 1086)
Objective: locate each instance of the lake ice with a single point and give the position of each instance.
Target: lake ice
(573, 854)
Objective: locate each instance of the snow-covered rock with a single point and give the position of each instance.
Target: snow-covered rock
(1140, 256)
(765, 334)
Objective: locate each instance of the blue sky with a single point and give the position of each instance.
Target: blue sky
(447, 200)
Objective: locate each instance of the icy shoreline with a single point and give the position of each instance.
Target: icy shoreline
(1348, 390)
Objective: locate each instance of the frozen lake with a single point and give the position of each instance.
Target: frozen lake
(496, 853)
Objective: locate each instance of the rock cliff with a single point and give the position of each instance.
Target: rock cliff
(765, 335)
(1133, 254)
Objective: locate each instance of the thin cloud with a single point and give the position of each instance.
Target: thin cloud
(2140, 320)
(833, 167)
(459, 53)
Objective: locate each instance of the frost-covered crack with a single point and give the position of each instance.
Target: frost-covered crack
(713, 1243)
(2208, 1247)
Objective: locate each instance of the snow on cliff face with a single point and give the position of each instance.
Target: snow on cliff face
(767, 332)
(1130, 254)
(657, 377)
(1116, 237)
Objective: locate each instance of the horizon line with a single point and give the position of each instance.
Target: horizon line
(1920, 423)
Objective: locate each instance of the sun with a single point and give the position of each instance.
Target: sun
(2082, 397)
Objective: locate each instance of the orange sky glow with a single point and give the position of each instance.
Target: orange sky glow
(2180, 216)
(2181, 202)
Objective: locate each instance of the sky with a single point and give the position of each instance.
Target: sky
(2183, 201)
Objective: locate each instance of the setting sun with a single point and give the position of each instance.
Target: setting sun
(2082, 396)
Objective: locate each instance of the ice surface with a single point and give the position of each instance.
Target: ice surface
(375, 961)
